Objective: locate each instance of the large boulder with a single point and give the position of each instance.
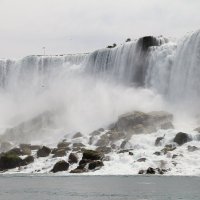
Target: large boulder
(92, 155)
(78, 145)
(150, 170)
(28, 160)
(59, 153)
(95, 165)
(104, 150)
(43, 152)
(16, 151)
(181, 138)
(63, 144)
(103, 141)
(26, 149)
(73, 158)
(147, 41)
(78, 170)
(35, 147)
(77, 135)
(115, 135)
(9, 160)
(60, 166)
(140, 122)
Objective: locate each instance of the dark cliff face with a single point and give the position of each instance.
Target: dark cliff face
(148, 41)
(143, 46)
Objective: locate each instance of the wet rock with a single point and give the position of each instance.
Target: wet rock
(104, 150)
(139, 122)
(78, 145)
(55, 150)
(111, 46)
(78, 171)
(123, 144)
(28, 160)
(21, 152)
(26, 149)
(150, 170)
(84, 162)
(43, 152)
(125, 151)
(157, 153)
(106, 158)
(73, 158)
(103, 141)
(77, 135)
(9, 160)
(147, 41)
(115, 135)
(59, 153)
(92, 155)
(158, 141)
(130, 153)
(141, 160)
(16, 151)
(192, 148)
(63, 144)
(95, 165)
(167, 148)
(93, 136)
(95, 133)
(35, 147)
(174, 163)
(60, 166)
(22, 146)
(174, 156)
(161, 171)
(181, 138)
(141, 171)
(128, 39)
(113, 146)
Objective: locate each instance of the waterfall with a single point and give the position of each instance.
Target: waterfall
(92, 90)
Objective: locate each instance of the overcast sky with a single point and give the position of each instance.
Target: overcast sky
(68, 26)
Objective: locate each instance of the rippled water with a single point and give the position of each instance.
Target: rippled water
(99, 188)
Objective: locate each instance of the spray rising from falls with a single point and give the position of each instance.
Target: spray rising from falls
(86, 91)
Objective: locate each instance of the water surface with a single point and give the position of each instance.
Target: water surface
(99, 188)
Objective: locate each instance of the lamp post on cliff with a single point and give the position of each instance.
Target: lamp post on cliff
(44, 49)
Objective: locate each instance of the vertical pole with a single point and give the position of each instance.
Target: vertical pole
(44, 50)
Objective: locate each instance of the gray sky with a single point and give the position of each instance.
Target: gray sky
(68, 26)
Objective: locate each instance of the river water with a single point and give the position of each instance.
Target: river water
(99, 188)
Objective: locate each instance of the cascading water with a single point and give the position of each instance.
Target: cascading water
(90, 90)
